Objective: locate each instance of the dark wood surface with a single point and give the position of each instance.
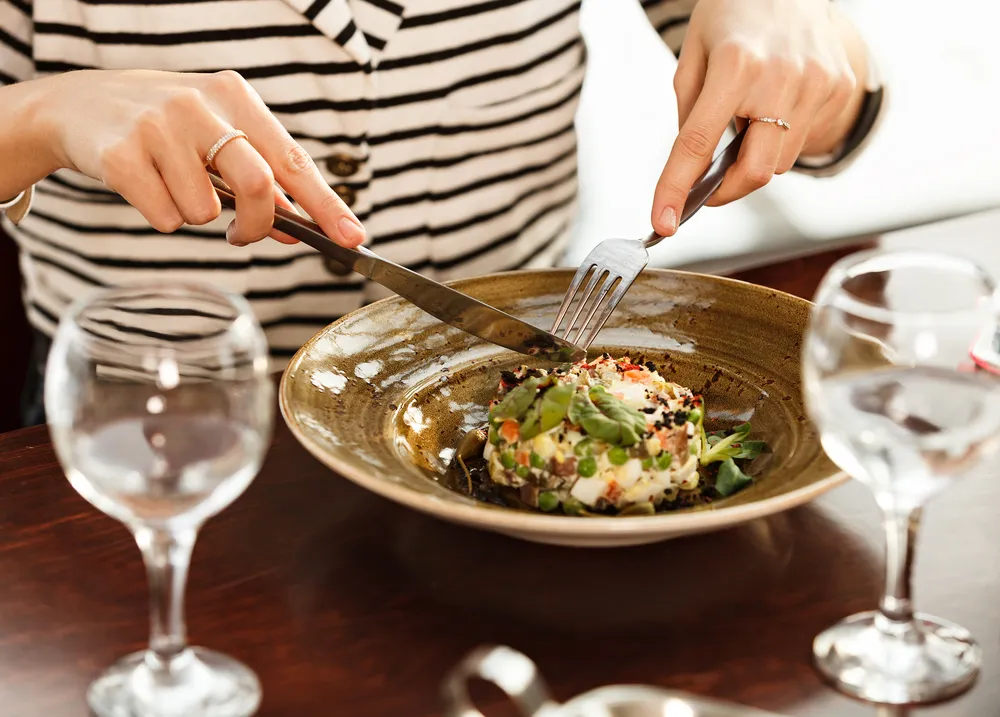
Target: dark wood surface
(346, 604)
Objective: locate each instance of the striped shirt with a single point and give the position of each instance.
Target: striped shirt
(447, 126)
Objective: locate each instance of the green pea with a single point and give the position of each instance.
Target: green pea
(694, 416)
(537, 461)
(583, 448)
(587, 466)
(523, 471)
(494, 435)
(647, 463)
(507, 460)
(548, 501)
(663, 461)
(618, 456)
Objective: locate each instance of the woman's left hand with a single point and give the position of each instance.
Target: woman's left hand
(798, 60)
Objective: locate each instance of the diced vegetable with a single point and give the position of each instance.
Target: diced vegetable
(587, 466)
(617, 456)
(510, 431)
(548, 501)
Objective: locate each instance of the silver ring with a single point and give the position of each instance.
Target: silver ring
(777, 121)
(223, 141)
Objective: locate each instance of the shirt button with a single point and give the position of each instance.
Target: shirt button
(342, 165)
(346, 193)
(335, 267)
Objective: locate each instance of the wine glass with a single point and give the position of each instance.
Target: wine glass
(901, 407)
(160, 406)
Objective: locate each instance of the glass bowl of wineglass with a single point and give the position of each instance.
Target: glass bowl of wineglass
(160, 405)
(903, 409)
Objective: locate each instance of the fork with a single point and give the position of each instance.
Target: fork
(615, 263)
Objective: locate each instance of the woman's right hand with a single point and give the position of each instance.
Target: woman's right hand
(145, 134)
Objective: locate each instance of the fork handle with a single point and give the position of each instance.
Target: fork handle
(706, 185)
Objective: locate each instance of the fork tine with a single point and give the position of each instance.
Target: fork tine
(567, 301)
(598, 276)
(616, 296)
(606, 286)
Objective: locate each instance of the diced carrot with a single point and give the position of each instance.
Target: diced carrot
(522, 457)
(509, 431)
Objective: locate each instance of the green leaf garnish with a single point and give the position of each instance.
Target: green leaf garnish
(748, 450)
(529, 427)
(585, 414)
(723, 449)
(517, 401)
(554, 405)
(731, 479)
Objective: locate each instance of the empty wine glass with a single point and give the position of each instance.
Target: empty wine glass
(901, 408)
(160, 406)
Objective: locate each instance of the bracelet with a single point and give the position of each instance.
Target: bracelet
(18, 207)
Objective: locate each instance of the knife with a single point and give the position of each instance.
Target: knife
(442, 302)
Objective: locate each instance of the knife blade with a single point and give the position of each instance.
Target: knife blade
(442, 302)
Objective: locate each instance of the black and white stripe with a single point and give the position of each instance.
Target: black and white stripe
(459, 112)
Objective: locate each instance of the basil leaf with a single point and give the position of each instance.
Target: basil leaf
(555, 403)
(631, 420)
(731, 479)
(516, 402)
(585, 414)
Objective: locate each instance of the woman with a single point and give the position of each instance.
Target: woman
(439, 131)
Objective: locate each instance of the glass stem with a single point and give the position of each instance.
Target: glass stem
(167, 556)
(900, 534)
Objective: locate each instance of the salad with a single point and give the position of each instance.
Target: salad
(608, 436)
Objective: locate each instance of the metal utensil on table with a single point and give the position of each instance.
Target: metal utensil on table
(517, 676)
(613, 265)
(442, 302)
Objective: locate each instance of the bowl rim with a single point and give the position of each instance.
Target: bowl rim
(514, 521)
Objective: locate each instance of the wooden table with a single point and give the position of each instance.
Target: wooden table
(346, 604)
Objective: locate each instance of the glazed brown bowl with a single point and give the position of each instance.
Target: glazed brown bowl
(384, 395)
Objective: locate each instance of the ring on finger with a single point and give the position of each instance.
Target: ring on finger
(776, 121)
(222, 142)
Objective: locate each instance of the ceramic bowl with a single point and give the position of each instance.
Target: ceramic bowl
(383, 396)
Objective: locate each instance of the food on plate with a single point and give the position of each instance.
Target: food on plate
(604, 436)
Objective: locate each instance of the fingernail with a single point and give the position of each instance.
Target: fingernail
(230, 232)
(668, 220)
(351, 231)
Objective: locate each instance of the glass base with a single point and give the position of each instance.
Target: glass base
(198, 682)
(873, 658)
